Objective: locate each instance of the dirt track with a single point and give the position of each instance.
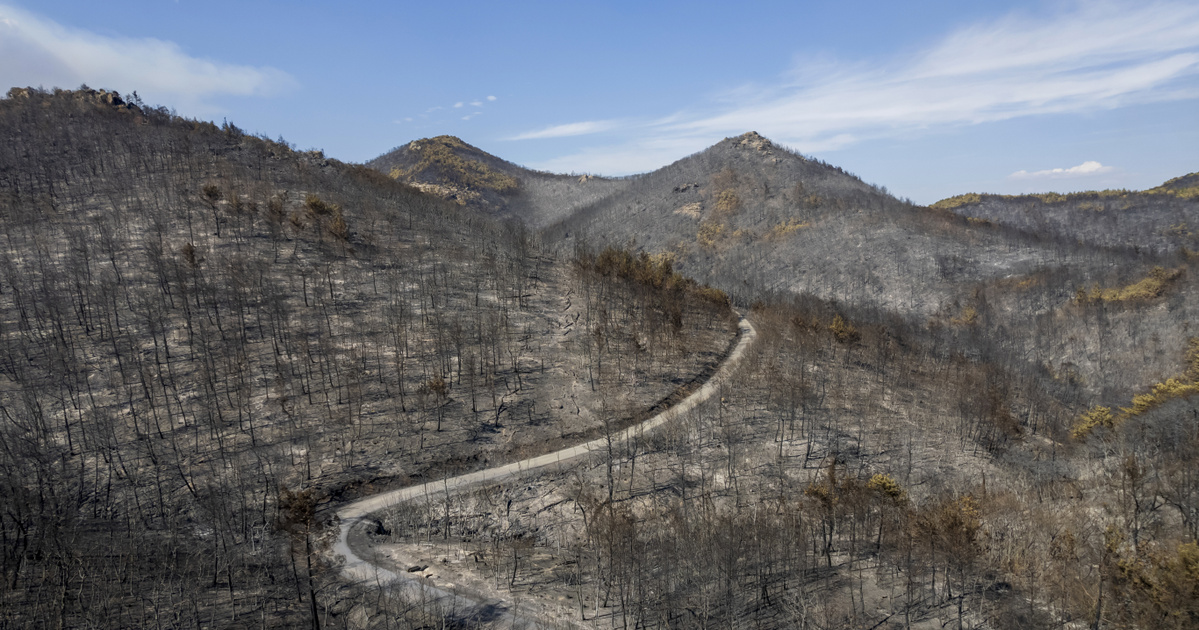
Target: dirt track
(355, 517)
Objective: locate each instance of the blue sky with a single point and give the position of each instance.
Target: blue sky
(929, 99)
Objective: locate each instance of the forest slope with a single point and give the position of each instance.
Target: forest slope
(208, 340)
(1160, 219)
(755, 219)
(207, 335)
(1007, 411)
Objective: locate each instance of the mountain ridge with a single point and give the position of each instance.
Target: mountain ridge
(455, 170)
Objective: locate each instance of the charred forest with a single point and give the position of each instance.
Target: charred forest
(979, 414)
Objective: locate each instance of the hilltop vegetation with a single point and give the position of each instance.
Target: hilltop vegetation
(1185, 187)
(1161, 219)
(442, 161)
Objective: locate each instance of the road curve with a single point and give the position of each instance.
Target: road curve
(356, 514)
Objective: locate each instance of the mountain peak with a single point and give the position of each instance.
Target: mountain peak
(442, 140)
(754, 140)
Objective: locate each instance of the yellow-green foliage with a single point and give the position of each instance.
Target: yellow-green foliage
(1052, 197)
(1186, 193)
(1159, 585)
(1147, 288)
(843, 330)
(318, 206)
(885, 484)
(1181, 386)
(825, 490)
(1086, 198)
(1174, 187)
(728, 202)
(950, 203)
(785, 228)
(1097, 416)
(1193, 359)
(440, 155)
(713, 295)
(975, 221)
(1172, 388)
(709, 233)
(330, 213)
(337, 226)
(655, 271)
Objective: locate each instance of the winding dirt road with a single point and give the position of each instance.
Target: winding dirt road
(356, 518)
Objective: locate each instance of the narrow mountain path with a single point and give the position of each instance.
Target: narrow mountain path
(361, 565)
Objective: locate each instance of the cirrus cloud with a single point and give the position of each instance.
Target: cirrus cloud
(1091, 56)
(38, 52)
(567, 130)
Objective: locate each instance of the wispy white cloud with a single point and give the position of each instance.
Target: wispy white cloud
(569, 129)
(1097, 56)
(1082, 170)
(478, 103)
(1089, 57)
(39, 52)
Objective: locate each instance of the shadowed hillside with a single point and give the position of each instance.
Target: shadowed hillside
(449, 168)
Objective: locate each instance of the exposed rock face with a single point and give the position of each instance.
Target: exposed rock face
(753, 140)
(100, 97)
(103, 97)
(458, 195)
(693, 210)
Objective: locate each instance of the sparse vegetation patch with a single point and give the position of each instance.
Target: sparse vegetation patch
(1148, 288)
(440, 158)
